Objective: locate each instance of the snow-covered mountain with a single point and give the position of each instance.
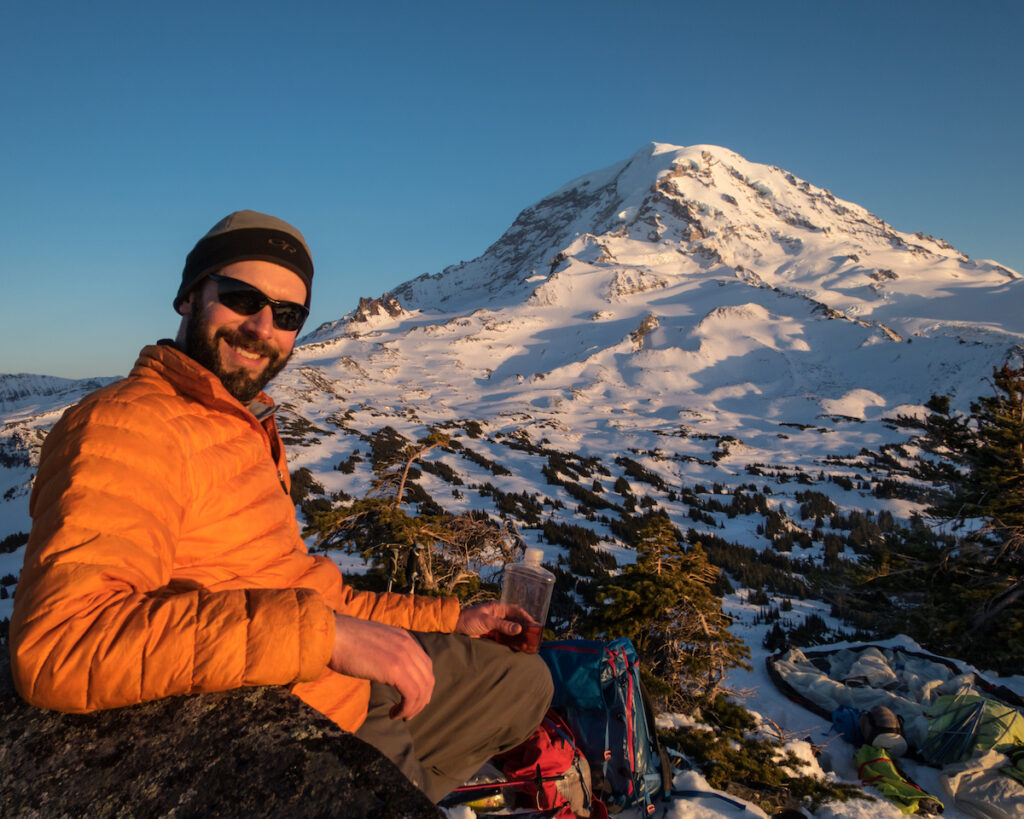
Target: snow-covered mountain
(685, 292)
(717, 211)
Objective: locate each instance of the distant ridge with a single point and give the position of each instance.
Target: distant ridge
(20, 389)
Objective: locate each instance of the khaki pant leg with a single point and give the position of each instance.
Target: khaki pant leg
(486, 700)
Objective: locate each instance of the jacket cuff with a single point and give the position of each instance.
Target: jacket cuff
(316, 634)
(290, 636)
(448, 616)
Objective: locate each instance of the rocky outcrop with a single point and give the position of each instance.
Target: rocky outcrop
(250, 752)
(647, 326)
(386, 305)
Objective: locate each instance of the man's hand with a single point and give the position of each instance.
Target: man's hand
(491, 617)
(374, 651)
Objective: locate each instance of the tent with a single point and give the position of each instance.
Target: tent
(952, 718)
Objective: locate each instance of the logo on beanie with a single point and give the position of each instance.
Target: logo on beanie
(281, 244)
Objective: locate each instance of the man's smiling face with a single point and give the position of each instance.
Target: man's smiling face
(245, 352)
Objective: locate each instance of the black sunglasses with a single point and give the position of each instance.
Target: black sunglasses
(247, 300)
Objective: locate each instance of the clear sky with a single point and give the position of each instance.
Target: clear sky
(402, 137)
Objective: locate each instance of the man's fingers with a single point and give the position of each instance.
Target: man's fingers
(415, 682)
(513, 612)
(414, 700)
(491, 617)
(492, 622)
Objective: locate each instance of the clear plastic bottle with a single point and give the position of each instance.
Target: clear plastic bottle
(529, 585)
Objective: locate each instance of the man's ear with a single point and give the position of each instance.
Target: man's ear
(185, 311)
(186, 304)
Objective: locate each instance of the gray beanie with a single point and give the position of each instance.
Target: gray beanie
(244, 235)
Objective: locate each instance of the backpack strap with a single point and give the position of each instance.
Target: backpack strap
(652, 731)
(639, 692)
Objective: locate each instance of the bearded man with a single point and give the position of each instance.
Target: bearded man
(165, 556)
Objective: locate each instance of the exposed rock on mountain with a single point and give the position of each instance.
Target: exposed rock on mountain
(386, 305)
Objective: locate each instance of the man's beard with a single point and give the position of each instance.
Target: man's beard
(203, 346)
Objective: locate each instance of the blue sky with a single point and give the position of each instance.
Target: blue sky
(402, 137)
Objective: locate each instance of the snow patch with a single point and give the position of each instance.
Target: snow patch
(854, 404)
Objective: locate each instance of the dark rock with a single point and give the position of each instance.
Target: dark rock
(249, 752)
(385, 305)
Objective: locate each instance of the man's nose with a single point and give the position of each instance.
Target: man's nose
(261, 323)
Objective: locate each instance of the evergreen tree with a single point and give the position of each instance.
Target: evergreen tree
(433, 552)
(665, 605)
(978, 457)
(992, 486)
(976, 601)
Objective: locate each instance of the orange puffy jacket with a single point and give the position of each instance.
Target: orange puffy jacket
(165, 557)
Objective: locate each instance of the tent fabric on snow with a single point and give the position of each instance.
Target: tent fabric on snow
(979, 787)
(959, 726)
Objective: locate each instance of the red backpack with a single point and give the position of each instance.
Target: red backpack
(548, 771)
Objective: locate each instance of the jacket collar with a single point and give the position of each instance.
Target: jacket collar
(191, 378)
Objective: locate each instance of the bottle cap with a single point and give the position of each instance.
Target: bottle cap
(533, 556)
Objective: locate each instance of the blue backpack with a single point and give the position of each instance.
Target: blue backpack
(599, 694)
(846, 723)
